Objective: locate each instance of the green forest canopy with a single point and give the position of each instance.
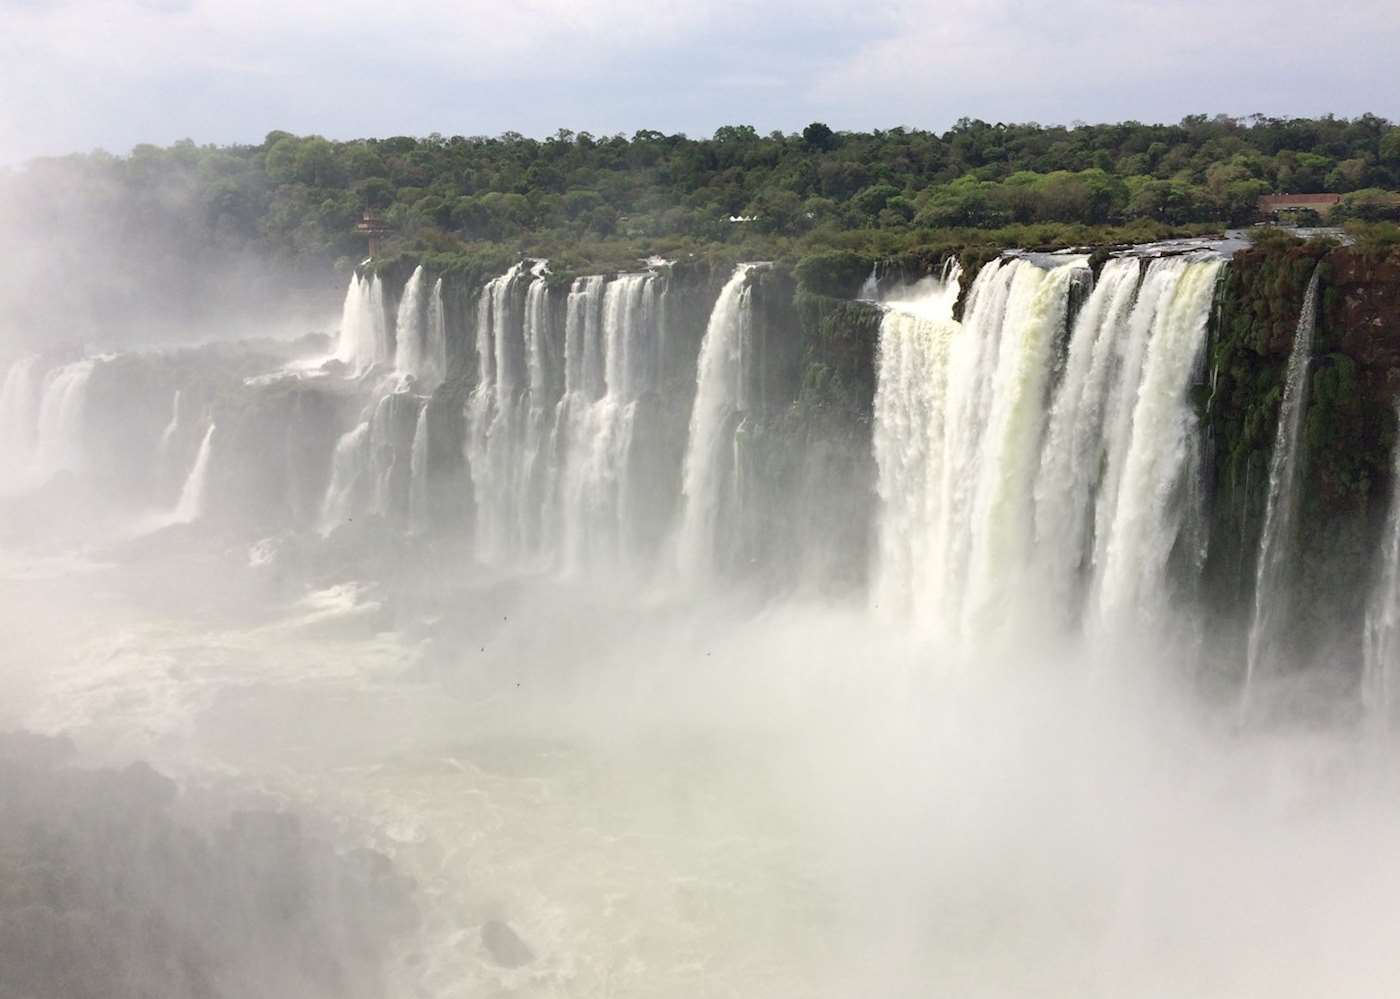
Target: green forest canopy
(608, 197)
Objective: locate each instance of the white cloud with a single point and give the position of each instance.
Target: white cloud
(1013, 60)
(80, 73)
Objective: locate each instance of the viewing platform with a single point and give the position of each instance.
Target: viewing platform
(373, 226)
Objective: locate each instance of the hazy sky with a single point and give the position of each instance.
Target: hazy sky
(80, 74)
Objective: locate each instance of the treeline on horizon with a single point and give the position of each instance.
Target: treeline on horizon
(595, 200)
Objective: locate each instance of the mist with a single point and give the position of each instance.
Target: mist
(112, 252)
(699, 797)
(391, 632)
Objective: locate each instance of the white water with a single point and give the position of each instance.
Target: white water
(434, 367)
(610, 331)
(1382, 638)
(971, 363)
(1127, 360)
(372, 469)
(1002, 510)
(494, 418)
(167, 436)
(1000, 497)
(19, 411)
(870, 287)
(62, 408)
(364, 334)
(393, 427)
(536, 415)
(1147, 517)
(550, 421)
(1276, 541)
(1075, 448)
(411, 328)
(570, 501)
(709, 470)
(349, 469)
(910, 403)
(959, 414)
(193, 495)
(418, 475)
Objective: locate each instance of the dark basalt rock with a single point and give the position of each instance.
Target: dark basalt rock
(1348, 431)
(109, 891)
(504, 945)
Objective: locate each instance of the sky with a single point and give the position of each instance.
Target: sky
(76, 75)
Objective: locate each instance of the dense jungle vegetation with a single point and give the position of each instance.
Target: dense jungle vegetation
(595, 201)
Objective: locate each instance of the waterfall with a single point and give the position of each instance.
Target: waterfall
(932, 402)
(1074, 452)
(379, 329)
(364, 335)
(393, 425)
(550, 421)
(590, 377)
(1036, 310)
(1004, 496)
(19, 406)
(44, 419)
(1147, 516)
(410, 330)
(610, 353)
(434, 368)
(502, 412)
(349, 469)
(959, 415)
(487, 421)
(910, 403)
(352, 344)
(536, 411)
(583, 344)
(1276, 540)
(1382, 635)
(569, 498)
(418, 519)
(191, 504)
(870, 287)
(662, 289)
(167, 436)
(59, 436)
(372, 466)
(708, 472)
(1128, 357)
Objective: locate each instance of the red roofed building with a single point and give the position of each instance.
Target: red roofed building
(1271, 204)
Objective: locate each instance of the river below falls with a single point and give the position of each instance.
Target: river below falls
(670, 796)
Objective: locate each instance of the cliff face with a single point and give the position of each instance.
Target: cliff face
(1348, 430)
(799, 476)
(1362, 305)
(804, 445)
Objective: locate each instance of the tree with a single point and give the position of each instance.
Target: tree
(300, 194)
(776, 211)
(838, 273)
(375, 192)
(579, 203)
(842, 178)
(872, 200)
(1369, 205)
(1390, 148)
(736, 133)
(819, 136)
